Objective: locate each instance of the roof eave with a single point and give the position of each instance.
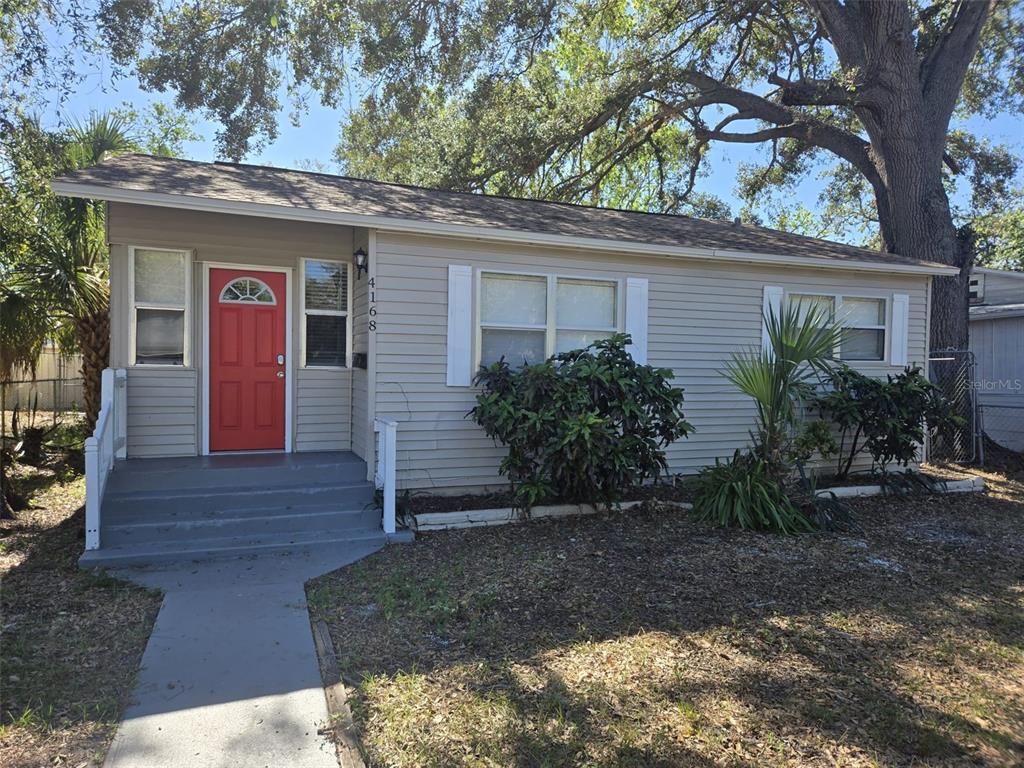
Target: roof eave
(418, 226)
(995, 312)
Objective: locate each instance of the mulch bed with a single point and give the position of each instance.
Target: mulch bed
(650, 639)
(71, 639)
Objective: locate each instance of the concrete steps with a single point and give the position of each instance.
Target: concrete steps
(218, 548)
(160, 511)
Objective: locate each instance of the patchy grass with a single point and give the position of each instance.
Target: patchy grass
(72, 639)
(648, 639)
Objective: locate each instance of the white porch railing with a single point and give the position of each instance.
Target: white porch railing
(384, 474)
(108, 442)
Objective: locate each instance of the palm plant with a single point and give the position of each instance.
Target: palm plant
(66, 269)
(753, 490)
(23, 331)
(803, 341)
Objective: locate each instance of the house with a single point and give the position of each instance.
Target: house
(336, 323)
(997, 341)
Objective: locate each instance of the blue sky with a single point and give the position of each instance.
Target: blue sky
(314, 140)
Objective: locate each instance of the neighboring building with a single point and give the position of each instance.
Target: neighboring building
(243, 323)
(997, 340)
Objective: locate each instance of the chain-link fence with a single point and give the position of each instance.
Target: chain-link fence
(953, 372)
(1003, 423)
(56, 395)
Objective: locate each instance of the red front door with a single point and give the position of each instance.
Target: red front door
(247, 363)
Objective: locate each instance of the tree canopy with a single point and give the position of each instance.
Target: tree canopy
(617, 103)
(599, 101)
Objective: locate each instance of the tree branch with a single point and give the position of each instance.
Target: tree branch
(945, 65)
(846, 145)
(843, 31)
(818, 93)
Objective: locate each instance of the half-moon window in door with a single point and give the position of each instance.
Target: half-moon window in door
(247, 290)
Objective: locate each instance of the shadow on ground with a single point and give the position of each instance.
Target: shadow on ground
(650, 639)
(72, 639)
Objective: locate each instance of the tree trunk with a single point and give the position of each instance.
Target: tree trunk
(92, 331)
(925, 230)
(907, 124)
(916, 220)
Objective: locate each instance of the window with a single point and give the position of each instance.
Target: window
(160, 288)
(586, 312)
(527, 318)
(325, 313)
(247, 290)
(863, 321)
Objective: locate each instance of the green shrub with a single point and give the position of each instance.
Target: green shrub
(583, 425)
(885, 419)
(744, 492)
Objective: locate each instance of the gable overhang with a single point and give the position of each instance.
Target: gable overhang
(406, 225)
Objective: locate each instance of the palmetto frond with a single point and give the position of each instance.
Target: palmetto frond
(803, 344)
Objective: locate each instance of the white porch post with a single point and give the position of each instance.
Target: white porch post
(93, 494)
(120, 413)
(387, 450)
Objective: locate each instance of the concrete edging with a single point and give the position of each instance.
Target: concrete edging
(473, 518)
(970, 485)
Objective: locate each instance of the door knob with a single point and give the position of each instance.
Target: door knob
(280, 374)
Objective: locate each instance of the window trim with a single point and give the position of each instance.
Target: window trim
(186, 359)
(885, 328)
(346, 313)
(550, 327)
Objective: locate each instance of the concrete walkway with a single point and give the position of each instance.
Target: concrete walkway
(230, 675)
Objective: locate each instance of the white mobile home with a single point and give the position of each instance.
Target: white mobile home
(264, 310)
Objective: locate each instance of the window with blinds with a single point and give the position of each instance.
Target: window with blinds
(325, 313)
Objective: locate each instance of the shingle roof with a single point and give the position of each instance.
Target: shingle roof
(345, 195)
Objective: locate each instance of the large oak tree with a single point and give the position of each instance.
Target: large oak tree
(617, 102)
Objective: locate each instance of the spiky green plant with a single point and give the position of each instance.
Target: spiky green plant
(780, 379)
(753, 490)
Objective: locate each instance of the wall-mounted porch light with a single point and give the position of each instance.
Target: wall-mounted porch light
(360, 259)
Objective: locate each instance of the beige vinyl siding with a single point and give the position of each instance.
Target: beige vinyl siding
(323, 412)
(361, 428)
(224, 239)
(699, 313)
(161, 412)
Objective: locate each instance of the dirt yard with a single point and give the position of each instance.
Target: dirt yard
(648, 639)
(71, 639)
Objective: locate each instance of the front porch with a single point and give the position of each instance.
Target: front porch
(144, 511)
(231, 505)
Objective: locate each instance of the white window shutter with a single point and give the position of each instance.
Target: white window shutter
(771, 304)
(636, 318)
(460, 325)
(900, 325)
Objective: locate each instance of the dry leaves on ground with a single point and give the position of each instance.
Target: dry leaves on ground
(649, 639)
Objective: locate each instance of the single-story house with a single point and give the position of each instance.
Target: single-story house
(997, 341)
(258, 309)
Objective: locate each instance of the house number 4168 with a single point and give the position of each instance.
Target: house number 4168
(372, 324)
